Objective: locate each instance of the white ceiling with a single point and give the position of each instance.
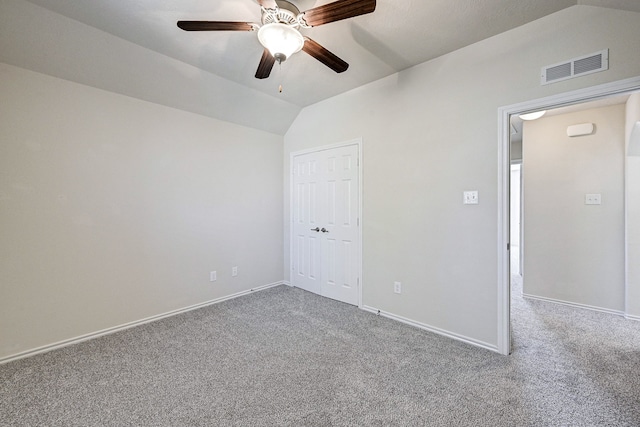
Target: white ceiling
(398, 35)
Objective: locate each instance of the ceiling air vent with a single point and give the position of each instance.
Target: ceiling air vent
(576, 67)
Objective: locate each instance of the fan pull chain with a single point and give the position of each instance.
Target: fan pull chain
(280, 76)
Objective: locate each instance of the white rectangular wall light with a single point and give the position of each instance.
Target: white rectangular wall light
(581, 129)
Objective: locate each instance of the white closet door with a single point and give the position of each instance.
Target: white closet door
(326, 223)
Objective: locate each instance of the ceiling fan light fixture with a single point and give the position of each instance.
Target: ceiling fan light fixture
(282, 40)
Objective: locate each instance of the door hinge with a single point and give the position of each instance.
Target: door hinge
(357, 222)
(508, 246)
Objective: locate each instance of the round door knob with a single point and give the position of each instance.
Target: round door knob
(324, 230)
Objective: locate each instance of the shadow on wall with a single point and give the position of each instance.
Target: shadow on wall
(634, 141)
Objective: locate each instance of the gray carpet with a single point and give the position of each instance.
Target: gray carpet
(287, 357)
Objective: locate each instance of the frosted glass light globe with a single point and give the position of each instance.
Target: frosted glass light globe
(282, 40)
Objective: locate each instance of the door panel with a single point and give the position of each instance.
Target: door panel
(346, 193)
(331, 205)
(326, 197)
(306, 268)
(342, 226)
(313, 257)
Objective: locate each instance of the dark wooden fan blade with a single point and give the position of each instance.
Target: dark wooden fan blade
(338, 10)
(214, 26)
(324, 56)
(268, 4)
(265, 66)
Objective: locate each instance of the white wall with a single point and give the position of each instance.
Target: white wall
(114, 209)
(575, 252)
(633, 214)
(429, 133)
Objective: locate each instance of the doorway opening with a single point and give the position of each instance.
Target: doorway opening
(505, 260)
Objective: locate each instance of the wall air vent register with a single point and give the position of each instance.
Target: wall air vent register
(575, 67)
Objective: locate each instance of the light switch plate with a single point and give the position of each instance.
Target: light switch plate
(592, 199)
(397, 287)
(470, 198)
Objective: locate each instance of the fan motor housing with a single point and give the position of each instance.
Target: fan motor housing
(287, 14)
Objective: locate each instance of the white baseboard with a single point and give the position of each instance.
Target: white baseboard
(632, 317)
(128, 325)
(286, 282)
(433, 329)
(575, 304)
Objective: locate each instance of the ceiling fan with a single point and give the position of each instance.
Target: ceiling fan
(279, 30)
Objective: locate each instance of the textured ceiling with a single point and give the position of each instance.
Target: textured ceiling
(398, 35)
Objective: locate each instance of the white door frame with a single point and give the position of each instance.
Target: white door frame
(504, 174)
(358, 142)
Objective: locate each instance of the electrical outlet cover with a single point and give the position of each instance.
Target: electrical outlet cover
(593, 199)
(397, 287)
(470, 198)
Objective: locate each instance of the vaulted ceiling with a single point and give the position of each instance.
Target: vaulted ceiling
(398, 35)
